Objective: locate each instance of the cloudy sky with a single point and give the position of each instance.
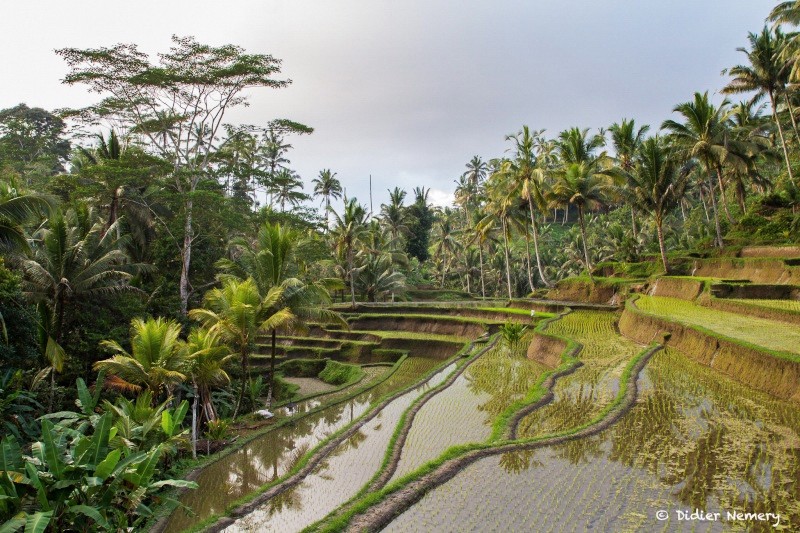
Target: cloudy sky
(408, 91)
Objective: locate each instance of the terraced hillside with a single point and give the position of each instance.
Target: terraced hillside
(600, 419)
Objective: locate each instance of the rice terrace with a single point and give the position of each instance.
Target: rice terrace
(251, 292)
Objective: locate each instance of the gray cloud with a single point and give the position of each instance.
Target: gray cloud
(409, 91)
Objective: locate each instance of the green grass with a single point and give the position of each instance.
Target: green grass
(336, 373)
(770, 334)
(784, 305)
(410, 335)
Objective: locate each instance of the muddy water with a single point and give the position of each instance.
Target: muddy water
(694, 440)
(465, 411)
(580, 396)
(340, 476)
(270, 456)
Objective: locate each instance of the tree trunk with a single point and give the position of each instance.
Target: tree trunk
(780, 133)
(583, 237)
(536, 247)
(350, 273)
(703, 201)
(791, 115)
(245, 372)
(272, 368)
(508, 259)
(528, 259)
(194, 421)
(633, 221)
(714, 212)
(480, 257)
(723, 196)
(660, 230)
(186, 258)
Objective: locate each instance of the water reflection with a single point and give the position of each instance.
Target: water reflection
(272, 455)
(695, 440)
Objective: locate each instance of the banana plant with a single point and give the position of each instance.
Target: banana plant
(74, 478)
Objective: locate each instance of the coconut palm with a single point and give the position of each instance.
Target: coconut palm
(347, 231)
(444, 237)
(17, 208)
(394, 216)
(658, 184)
(206, 357)
(156, 362)
(503, 195)
(286, 187)
(238, 314)
(484, 229)
(626, 140)
(271, 262)
(327, 186)
(530, 174)
(767, 74)
(581, 185)
(74, 259)
(704, 135)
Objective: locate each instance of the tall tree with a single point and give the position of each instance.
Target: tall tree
(420, 223)
(767, 75)
(16, 209)
(32, 140)
(704, 135)
(347, 231)
(529, 173)
(176, 105)
(658, 184)
(327, 186)
(626, 140)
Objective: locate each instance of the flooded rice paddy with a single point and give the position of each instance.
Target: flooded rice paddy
(465, 411)
(694, 440)
(270, 456)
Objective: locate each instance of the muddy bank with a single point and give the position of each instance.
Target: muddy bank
(577, 290)
(756, 270)
(771, 251)
(685, 289)
(746, 364)
(546, 349)
(441, 326)
(755, 291)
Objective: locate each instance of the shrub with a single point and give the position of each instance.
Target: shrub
(336, 373)
(217, 429)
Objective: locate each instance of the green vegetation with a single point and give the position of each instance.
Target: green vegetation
(336, 373)
(770, 334)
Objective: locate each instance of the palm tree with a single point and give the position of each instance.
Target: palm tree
(582, 185)
(502, 198)
(271, 263)
(157, 361)
(347, 231)
(394, 216)
(74, 259)
(378, 277)
(287, 187)
(529, 172)
(767, 75)
(484, 228)
(626, 140)
(15, 210)
(327, 186)
(446, 244)
(704, 135)
(238, 314)
(206, 359)
(658, 184)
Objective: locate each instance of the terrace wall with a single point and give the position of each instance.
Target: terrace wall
(747, 364)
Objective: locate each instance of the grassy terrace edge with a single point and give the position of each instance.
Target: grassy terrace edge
(217, 522)
(630, 305)
(624, 400)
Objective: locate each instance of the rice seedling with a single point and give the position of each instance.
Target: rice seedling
(580, 396)
(784, 305)
(695, 440)
(465, 411)
(770, 334)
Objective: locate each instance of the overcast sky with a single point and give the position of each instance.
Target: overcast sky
(409, 91)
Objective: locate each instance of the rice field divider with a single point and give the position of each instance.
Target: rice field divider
(193, 467)
(377, 509)
(505, 426)
(544, 385)
(394, 449)
(771, 312)
(630, 305)
(311, 459)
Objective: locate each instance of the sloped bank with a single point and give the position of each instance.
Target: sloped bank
(777, 373)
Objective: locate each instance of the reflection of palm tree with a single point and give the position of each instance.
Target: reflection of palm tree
(518, 461)
(580, 451)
